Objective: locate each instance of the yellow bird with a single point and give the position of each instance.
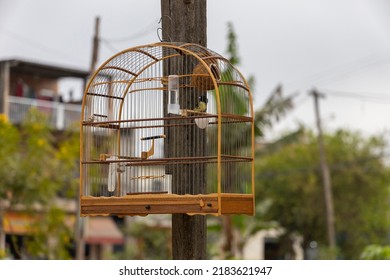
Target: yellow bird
(202, 105)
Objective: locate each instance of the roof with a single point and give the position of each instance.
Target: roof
(22, 223)
(102, 230)
(99, 230)
(47, 70)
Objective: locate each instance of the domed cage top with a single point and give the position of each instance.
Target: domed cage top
(167, 128)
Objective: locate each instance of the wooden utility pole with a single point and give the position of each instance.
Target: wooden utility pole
(327, 185)
(185, 21)
(81, 221)
(95, 46)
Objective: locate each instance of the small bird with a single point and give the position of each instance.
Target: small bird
(202, 105)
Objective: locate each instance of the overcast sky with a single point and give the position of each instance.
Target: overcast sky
(340, 47)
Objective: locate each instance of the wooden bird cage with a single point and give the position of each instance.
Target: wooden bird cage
(167, 128)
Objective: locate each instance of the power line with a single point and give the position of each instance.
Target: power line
(345, 70)
(108, 45)
(38, 45)
(108, 42)
(301, 101)
(147, 30)
(360, 65)
(367, 96)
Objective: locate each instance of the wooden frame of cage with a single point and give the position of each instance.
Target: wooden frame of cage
(218, 203)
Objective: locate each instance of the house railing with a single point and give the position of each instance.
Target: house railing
(61, 115)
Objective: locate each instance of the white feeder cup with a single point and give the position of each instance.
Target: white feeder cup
(173, 97)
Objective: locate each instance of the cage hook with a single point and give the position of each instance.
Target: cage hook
(160, 29)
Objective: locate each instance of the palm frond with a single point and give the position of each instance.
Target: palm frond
(276, 107)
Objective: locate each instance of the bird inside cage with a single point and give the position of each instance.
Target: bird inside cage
(202, 105)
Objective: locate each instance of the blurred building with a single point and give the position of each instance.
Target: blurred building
(273, 244)
(26, 84)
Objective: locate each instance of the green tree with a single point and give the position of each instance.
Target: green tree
(275, 107)
(376, 252)
(38, 167)
(8, 137)
(146, 242)
(290, 177)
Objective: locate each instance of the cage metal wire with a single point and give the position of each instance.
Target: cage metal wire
(167, 128)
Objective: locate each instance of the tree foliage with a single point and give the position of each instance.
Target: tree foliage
(146, 242)
(36, 168)
(238, 229)
(232, 48)
(290, 177)
(276, 105)
(8, 137)
(376, 252)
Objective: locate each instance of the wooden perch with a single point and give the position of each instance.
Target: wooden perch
(188, 112)
(136, 193)
(154, 137)
(104, 157)
(147, 154)
(147, 177)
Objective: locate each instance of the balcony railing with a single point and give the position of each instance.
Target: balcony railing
(61, 115)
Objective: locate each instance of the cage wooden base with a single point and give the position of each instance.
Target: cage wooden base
(167, 204)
